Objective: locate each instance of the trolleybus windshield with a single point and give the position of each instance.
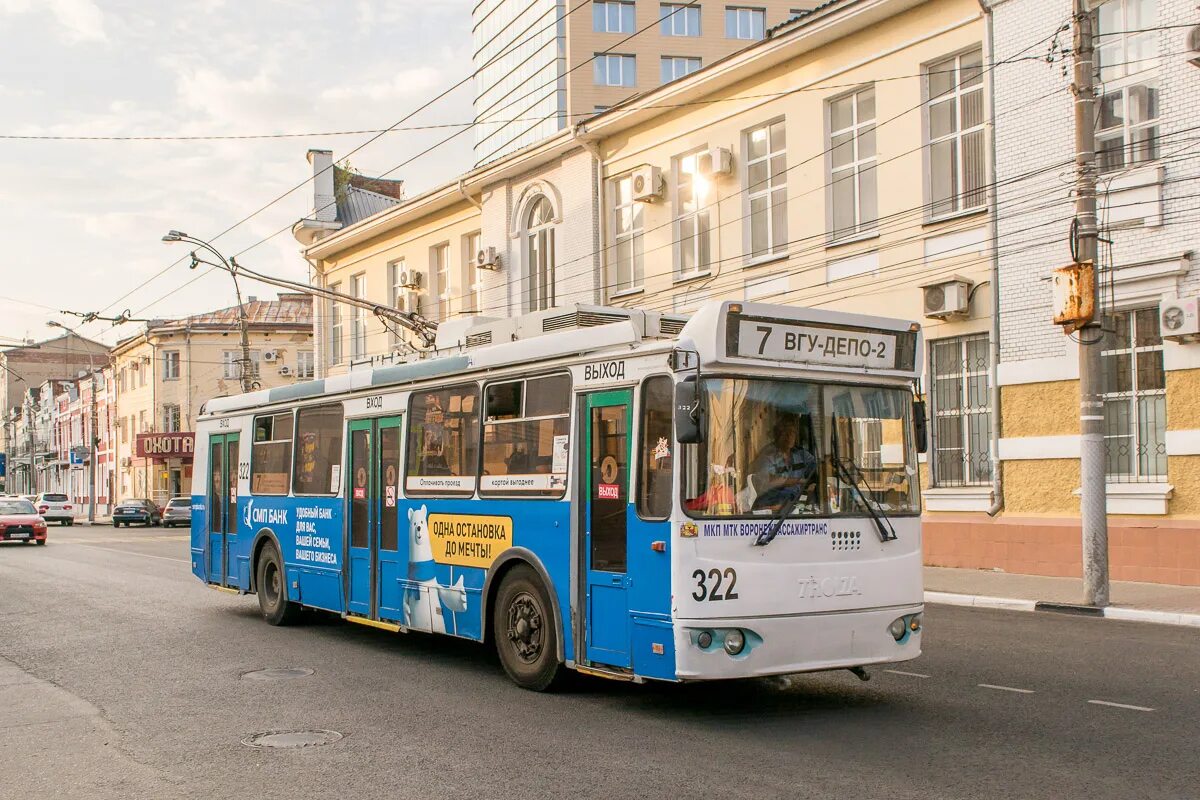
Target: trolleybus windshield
(771, 444)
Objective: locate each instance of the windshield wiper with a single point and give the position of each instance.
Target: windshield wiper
(791, 497)
(849, 472)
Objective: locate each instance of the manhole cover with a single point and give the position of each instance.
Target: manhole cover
(313, 738)
(277, 673)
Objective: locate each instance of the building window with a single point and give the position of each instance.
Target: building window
(230, 361)
(539, 255)
(305, 364)
(170, 365)
(679, 20)
(358, 317)
(443, 441)
(1135, 402)
(854, 202)
(676, 67)
(626, 267)
(744, 23)
(336, 343)
(615, 70)
(961, 411)
(1127, 61)
(171, 420)
(398, 299)
(693, 230)
(439, 272)
(271, 454)
(954, 120)
(255, 363)
(612, 16)
(766, 182)
(472, 275)
(525, 437)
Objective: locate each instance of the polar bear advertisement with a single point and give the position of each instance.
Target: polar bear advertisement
(425, 598)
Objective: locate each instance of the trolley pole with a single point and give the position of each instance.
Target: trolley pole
(1092, 468)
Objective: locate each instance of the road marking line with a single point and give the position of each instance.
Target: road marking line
(132, 553)
(1119, 705)
(909, 674)
(1004, 688)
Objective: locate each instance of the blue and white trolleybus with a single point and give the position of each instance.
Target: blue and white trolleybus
(619, 492)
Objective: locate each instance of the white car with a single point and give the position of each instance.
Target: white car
(53, 506)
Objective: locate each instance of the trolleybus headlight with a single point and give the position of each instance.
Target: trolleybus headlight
(735, 642)
(704, 639)
(897, 628)
(914, 623)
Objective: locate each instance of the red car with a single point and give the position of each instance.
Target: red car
(20, 522)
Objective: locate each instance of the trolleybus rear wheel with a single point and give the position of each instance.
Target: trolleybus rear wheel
(524, 632)
(272, 591)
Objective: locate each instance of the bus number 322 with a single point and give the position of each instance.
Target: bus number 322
(715, 576)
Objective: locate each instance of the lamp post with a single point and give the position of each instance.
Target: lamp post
(93, 428)
(231, 266)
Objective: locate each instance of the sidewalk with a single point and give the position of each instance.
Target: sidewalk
(1146, 602)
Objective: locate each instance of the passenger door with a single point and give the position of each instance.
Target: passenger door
(605, 481)
(373, 486)
(222, 509)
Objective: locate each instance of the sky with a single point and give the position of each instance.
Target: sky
(81, 222)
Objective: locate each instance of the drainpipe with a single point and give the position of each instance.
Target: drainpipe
(601, 217)
(462, 189)
(989, 46)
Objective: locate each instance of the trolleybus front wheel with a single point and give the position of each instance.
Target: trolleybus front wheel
(524, 632)
(272, 591)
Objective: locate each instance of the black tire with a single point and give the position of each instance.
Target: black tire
(40, 541)
(116, 524)
(272, 589)
(524, 631)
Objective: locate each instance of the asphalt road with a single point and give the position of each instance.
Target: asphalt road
(122, 677)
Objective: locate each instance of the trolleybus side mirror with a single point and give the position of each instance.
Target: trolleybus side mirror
(920, 426)
(689, 415)
(684, 359)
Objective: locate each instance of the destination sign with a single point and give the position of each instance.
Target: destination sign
(776, 340)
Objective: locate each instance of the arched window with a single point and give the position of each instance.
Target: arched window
(539, 255)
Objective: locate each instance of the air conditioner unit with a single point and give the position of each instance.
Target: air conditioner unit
(1193, 46)
(1179, 318)
(947, 299)
(715, 161)
(270, 355)
(285, 370)
(647, 184)
(410, 279)
(487, 258)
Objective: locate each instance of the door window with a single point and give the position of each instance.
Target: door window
(389, 477)
(359, 488)
(655, 450)
(216, 490)
(609, 471)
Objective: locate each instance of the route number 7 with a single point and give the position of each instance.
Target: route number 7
(765, 330)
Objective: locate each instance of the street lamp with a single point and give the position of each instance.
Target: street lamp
(230, 265)
(93, 439)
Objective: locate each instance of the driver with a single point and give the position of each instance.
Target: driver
(781, 464)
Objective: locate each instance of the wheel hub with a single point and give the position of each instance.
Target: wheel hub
(525, 627)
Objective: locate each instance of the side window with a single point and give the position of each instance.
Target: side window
(656, 464)
(317, 462)
(271, 454)
(443, 441)
(525, 437)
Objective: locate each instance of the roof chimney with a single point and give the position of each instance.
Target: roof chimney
(323, 195)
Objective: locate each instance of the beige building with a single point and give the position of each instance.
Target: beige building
(544, 65)
(165, 374)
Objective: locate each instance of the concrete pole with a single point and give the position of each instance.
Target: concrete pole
(94, 429)
(1092, 468)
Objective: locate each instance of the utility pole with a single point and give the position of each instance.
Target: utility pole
(1092, 467)
(93, 439)
(247, 378)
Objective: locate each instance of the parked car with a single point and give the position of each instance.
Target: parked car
(55, 507)
(128, 512)
(178, 512)
(20, 522)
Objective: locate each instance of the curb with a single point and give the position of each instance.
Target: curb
(1110, 612)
